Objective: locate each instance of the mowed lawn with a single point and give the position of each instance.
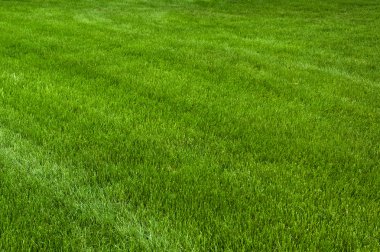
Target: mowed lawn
(170, 125)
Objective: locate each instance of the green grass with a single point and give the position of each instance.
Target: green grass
(190, 125)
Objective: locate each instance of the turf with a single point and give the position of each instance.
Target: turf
(190, 125)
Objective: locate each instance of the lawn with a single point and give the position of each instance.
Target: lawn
(168, 125)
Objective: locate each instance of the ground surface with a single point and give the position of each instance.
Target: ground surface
(190, 125)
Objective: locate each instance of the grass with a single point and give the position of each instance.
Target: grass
(190, 125)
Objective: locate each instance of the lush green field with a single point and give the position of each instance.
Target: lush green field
(190, 125)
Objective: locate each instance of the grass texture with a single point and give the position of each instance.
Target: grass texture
(190, 125)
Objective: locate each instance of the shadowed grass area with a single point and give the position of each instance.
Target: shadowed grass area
(189, 125)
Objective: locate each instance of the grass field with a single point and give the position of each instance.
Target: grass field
(190, 125)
